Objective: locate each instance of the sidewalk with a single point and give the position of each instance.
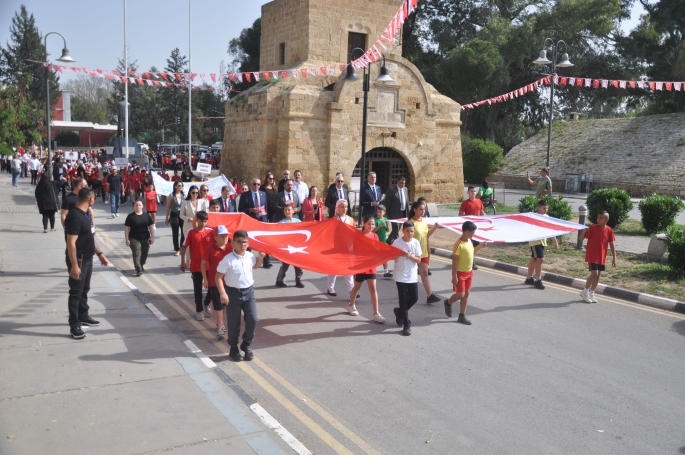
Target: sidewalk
(132, 386)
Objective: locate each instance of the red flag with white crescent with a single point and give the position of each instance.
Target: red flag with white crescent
(330, 247)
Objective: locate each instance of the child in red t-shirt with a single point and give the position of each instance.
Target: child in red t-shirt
(368, 225)
(600, 238)
(210, 260)
(198, 239)
(151, 203)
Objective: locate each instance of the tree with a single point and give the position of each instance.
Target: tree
(20, 118)
(175, 103)
(26, 43)
(89, 97)
(244, 52)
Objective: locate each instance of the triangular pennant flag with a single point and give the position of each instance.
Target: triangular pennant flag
(571, 81)
(294, 73)
(589, 82)
(659, 85)
(323, 70)
(124, 79)
(614, 84)
(331, 70)
(178, 76)
(240, 77)
(284, 74)
(231, 76)
(313, 71)
(164, 76)
(631, 84)
(563, 80)
(193, 76)
(213, 76)
(147, 75)
(110, 77)
(149, 82)
(267, 76)
(342, 68)
(641, 84)
(170, 84)
(677, 86)
(605, 83)
(248, 77)
(669, 86)
(622, 84)
(304, 72)
(202, 76)
(156, 83)
(595, 83)
(651, 85)
(256, 77)
(140, 82)
(274, 74)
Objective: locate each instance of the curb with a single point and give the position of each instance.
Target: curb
(641, 298)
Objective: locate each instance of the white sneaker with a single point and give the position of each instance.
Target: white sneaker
(113, 215)
(221, 333)
(592, 297)
(353, 310)
(200, 316)
(117, 215)
(378, 318)
(586, 296)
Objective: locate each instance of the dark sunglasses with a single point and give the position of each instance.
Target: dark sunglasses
(256, 184)
(340, 181)
(194, 192)
(204, 191)
(269, 178)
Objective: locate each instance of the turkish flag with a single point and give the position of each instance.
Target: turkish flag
(330, 247)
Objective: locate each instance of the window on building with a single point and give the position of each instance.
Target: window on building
(281, 54)
(355, 40)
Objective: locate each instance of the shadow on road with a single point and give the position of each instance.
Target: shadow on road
(680, 328)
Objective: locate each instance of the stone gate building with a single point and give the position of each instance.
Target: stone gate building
(315, 123)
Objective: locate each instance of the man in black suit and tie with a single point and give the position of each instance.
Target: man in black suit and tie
(396, 202)
(225, 200)
(281, 183)
(370, 196)
(338, 190)
(287, 197)
(254, 204)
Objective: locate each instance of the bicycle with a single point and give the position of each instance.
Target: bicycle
(490, 204)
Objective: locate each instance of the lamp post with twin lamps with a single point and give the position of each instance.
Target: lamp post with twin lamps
(564, 63)
(66, 58)
(352, 77)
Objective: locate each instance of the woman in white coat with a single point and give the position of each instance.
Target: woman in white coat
(192, 204)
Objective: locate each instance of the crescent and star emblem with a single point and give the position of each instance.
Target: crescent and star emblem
(290, 249)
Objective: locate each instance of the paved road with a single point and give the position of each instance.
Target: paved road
(538, 372)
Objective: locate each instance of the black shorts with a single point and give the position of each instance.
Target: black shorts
(361, 277)
(537, 252)
(216, 298)
(599, 267)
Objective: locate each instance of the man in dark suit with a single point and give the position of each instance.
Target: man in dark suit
(287, 197)
(225, 200)
(337, 190)
(370, 196)
(396, 203)
(281, 183)
(254, 204)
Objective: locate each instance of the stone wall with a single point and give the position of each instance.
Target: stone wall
(316, 30)
(642, 155)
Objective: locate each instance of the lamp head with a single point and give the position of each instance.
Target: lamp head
(384, 76)
(542, 59)
(66, 58)
(351, 76)
(564, 63)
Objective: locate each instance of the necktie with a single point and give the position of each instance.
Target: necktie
(401, 190)
(288, 196)
(340, 196)
(226, 205)
(256, 200)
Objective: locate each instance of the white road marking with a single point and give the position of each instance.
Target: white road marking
(272, 423)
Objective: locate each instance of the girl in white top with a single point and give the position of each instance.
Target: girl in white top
(341, 214)
(406, 275)
(193, 204)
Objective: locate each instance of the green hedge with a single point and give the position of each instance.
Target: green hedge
(659, 212)
(675, 240)
(557, 207)
(481, 158)
(6, 150)
(614, 201)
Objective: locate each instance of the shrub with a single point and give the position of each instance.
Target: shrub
(5, 150)
(659, 212)
(68, 139)
(558, 207)
(675, 240)
(614, 201)
(481, 158)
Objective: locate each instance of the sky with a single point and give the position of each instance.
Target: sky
(94, 29)
(95, 34)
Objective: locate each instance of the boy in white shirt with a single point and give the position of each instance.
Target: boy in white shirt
(406, 275)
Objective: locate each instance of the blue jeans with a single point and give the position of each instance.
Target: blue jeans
(15, 176)
(114, 199)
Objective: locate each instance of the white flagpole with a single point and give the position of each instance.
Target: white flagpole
(126, 84)
(190, 83)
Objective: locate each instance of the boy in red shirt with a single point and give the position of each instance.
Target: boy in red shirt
(472, 207)
(600, 238)
(213, 255)
(198, 240)
(151, 204)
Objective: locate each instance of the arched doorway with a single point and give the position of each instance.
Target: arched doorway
(387, 164)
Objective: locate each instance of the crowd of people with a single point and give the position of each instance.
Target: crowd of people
(222, 269)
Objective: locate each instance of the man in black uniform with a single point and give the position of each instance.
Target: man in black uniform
(81, 247)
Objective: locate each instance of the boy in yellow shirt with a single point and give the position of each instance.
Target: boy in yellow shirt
(462, 271)
(537, 253)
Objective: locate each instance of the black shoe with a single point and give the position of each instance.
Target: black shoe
(429, 272)
(76, 332)
(299, 284)
(267, 266)
(139, 273)
(432, 299)
(475, 267)
(249, 355)
(406, 330)
(235, 355)
(530, 281)
(332, 294)
(462, 320)
(448, 308)
(387, 275)
(142, 268)
(398, 317)
(280, 284)
(538, 285)
(88, 321)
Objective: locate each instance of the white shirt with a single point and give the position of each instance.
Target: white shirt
(301, 189)
(406, 271)
(403, 199)
(202, 155)
(237, 269)
(340, 192)
(34, 164)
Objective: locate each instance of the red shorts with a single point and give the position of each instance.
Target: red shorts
(464, 280)
(425, 260)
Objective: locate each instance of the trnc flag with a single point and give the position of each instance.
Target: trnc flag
(515, 228)
(330, 247)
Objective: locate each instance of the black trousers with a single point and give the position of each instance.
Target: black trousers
(241, 300)
(34, 177)
(49, 215)
(78, 291)
(408, 294)
(176, 226)
(197, 290)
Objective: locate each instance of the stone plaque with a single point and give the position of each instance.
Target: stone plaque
(387, 111)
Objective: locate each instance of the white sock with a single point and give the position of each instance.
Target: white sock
(386, 271)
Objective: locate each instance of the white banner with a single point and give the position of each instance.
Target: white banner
(164, 188)
(204, 168)
(514, 228)
(71, 156)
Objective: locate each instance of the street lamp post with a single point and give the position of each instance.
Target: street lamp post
(564, 63)
(64, 58)
(352, 77)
